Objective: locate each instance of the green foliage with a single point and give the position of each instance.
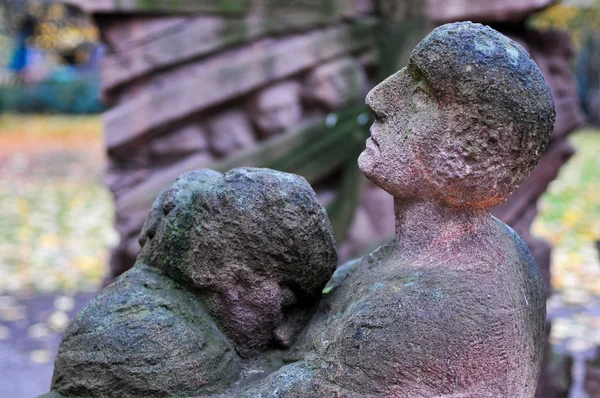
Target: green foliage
(569, 217)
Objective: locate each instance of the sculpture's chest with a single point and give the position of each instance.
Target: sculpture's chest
(437, 331)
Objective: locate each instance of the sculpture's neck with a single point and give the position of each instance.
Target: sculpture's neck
(427, 228)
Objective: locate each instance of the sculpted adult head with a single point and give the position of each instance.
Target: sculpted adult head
(255, 244)
(463, 124)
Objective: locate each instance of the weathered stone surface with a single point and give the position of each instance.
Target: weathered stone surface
(174, 95)
(260, 247)
(518, 90)
(380, 207)
(251, 249)
(277, 108)
(442, 11)
(230, 132)
(455, 305)
(552, 50)
(336, 84)
(144, 336)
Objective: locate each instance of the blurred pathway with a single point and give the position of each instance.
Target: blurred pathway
(30, 332)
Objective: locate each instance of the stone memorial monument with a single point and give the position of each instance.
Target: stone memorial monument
(221, 299)
(229, 269)
(455, 305)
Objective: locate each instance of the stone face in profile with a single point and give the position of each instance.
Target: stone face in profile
(455, 305)
(230, 267)
(463, 123)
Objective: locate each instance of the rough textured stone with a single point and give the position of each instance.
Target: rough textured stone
(480, 120)
(259, 246)
(277, 108)
(251, 249)
(143, 336)
(516, 98)
(455, 305)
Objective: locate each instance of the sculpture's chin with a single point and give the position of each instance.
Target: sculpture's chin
(365, 162)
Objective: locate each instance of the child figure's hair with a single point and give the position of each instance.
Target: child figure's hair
(254, 243)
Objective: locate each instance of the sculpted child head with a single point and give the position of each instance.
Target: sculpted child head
(255, 244)
(463, 124)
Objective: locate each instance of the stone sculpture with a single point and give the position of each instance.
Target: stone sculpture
(230, 264)
(455, 305)
(251, 249)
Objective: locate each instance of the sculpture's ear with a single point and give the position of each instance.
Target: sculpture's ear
(154, 218)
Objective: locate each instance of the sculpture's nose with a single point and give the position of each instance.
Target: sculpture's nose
(372, 105)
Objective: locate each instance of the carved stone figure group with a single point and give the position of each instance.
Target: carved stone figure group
(225, 297)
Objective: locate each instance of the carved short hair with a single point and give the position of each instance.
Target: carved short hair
(497, 106)
(208, 225)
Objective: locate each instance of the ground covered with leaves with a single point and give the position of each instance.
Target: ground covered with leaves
(55, 212)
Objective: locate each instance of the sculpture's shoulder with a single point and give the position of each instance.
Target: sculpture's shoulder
(520, 255)
(143, 333)
(438, 327)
